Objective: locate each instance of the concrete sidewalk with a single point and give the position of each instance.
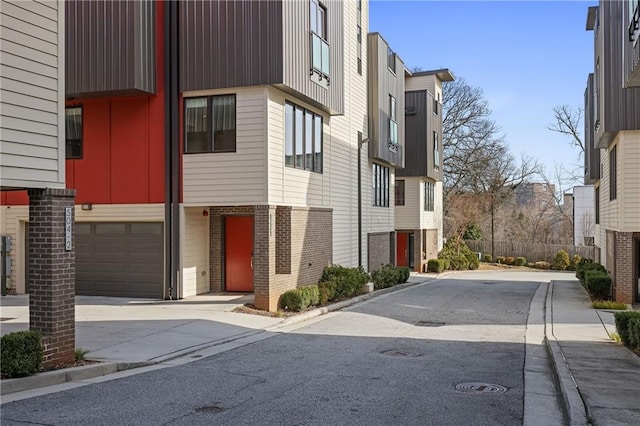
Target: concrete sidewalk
(599, 379)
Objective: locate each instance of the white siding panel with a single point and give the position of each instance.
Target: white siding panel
(28, 40)
(232, 178)
(16, 111)
(28, 77)
(424, 82)
(195, 252)
(14, 98)
(28, 53)
(34, 163)
(28, 28)
(408, 216)
(33, 139)
(629, 180)
(27, 125)
(29, 11)
(27, 150)
(275, 135)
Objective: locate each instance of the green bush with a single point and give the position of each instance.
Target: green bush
(500, 259)
(633, 327)
(327, 292)
(386, 276)
(622, 324)
(436, 265)
(598, 284)
(561, 261)
(487, 258)
(520, 261)
(349, 281)
(404, 274)
(459, 255)
(21, 353)
(581, 269)
(575, 260)
(300, 298)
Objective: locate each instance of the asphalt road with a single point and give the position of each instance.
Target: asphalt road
(394, 360)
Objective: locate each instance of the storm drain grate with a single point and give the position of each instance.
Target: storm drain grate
(402, 353)
(430, 324)
(210, 409)
(475, 387)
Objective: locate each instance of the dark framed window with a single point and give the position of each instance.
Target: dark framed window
(613, 174)
(399, 193)
(359, 37)
(210, 124)
(393, 124)
(303, 138)
(597, 205)
(319, 42)
(391, 60)
(380, 185)
(73, 132)
(436, 150)
(429, 196)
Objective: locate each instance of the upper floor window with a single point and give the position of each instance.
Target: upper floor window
(436, 151)
(73, 132)
(303, 138)
(613, 174)
(380, 185)
(634, 20)
(210, 124)
(391, 60)
(319, 44)
(399, 193)
(393, 124)
(429, 196)
(359, 38)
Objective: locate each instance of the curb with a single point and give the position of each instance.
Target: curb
(56, 377)
(573, 404)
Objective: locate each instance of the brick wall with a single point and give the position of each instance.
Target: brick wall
(380, 246)
(624, 269)
(52, 273)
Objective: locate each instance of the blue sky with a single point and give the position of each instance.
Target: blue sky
(526, 56)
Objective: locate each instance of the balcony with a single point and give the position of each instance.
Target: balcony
(319, 56)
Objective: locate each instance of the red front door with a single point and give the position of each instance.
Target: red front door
(238, 259)
(402, 249)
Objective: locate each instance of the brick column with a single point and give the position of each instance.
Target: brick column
(624, 279)
(264, 264)
(52, 273)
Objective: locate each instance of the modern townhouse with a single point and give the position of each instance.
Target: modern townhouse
(219, 146)
(32, 163)
(614, 113)
(418, 186)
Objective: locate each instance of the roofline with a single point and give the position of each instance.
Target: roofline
(376, 33)
(443, 74)
(591, 17)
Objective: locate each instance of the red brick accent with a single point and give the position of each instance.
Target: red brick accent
(52, 274)
(625, 280)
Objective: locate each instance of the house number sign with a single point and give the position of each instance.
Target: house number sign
(68, 228)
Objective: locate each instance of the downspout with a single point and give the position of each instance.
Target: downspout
(360, 143)
(172, 152)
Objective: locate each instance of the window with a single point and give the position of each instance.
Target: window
(303, 138)
(435, 106)
(399, 192)
(393, 124)
(391, 60)
(319, 44)
(436, 151)
(380, 185)
(359, 32)
(429, 196)
(73, 132)
(597, 205)
(210, 124)
(613, 174)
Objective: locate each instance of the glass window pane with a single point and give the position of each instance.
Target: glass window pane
(321, 23)
(299, 129)
(147, 228)
(224, 123)
(196, 126)
(73, 132)
(308, 140)
(317, 52)
(110, 228)
(313, 16)
(318, 144)
(288, 135)
(325, 58)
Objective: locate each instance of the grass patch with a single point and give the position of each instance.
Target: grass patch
(608, 304)
(81, 354)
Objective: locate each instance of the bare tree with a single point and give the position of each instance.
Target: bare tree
(568, 122)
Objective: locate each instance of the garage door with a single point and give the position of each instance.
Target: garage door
(120, 259)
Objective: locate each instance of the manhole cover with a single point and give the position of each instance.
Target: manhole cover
(402, 353)
(210, 409)
(480, 388)
(429, 324)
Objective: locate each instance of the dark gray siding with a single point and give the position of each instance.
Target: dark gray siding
(297, 54)
(591, 154)
(631, 46)
(619, 108)
(382, 82)
(230, 44)
(110, 47)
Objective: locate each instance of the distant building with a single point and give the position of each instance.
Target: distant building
(583, 203)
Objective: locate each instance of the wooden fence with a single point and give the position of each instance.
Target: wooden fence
(533, 252)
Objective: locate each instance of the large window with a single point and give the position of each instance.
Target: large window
(393, 124)
(303, 138)
(210, 124)
(399, 193)
(380, 185)
(436, 151)
(613, 174)
(319, 43)
(73, 132)
(429, 196)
